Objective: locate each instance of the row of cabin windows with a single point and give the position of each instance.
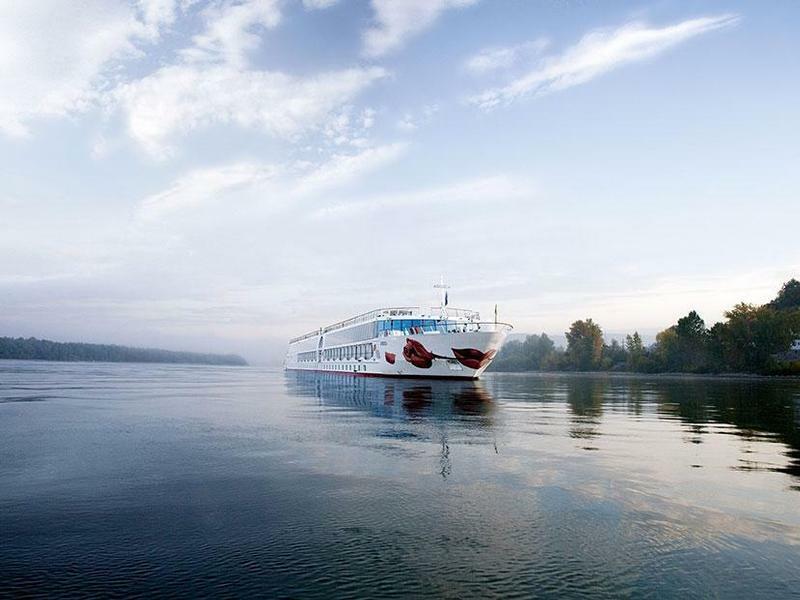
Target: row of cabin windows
(353, 352)
(307, 356)
(346, 367)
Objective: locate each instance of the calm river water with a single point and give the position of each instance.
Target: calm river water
(217, 481)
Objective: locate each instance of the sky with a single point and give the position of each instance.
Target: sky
(224, 175)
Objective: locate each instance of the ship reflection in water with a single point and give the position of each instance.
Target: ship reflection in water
(418, 409)
(388, 396)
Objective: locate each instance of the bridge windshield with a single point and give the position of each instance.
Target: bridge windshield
(412, 326)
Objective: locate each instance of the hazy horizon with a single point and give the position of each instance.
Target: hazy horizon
(222, 176)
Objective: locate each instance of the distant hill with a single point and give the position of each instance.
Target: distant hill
(35, 349)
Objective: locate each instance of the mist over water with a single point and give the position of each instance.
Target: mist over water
(188, 480)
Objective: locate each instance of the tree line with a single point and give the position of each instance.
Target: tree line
(751, 339)
(35, 349)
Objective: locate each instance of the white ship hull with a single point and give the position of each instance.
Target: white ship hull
(458, 347)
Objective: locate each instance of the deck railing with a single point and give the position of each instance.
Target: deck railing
(395, 311)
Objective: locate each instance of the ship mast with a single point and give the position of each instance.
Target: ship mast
(443, 287)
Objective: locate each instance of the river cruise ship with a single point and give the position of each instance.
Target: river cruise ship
(408, 341)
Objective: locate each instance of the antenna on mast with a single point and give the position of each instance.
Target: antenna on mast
(443, 299)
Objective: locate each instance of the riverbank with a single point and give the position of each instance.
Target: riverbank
(637, 375)
(48, 350)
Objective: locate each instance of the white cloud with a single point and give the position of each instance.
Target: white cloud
(503, 57)
(229, 35)
(58, 58)
(479, 190)
(344, 168)
(53, 53)
(247, 179)
(597, 53)
(179, 99)
(157, 13)
(201, 185)
(409, 122)
(395, 21)
(349, 127)
(214, 85)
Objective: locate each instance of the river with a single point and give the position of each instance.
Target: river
(186, 481)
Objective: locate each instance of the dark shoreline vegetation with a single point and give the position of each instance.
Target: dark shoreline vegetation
(752, 340)
(35, 349)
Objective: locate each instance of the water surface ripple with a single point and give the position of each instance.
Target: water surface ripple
(186, 481)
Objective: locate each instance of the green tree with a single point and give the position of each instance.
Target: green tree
(666, 350)
(636, 351)
(754, 334)
(537, 348)
(584, 345)
(717, 353)
(692, 342)
(788, 297)
(528, 355)
(615, 356)
(684, 346)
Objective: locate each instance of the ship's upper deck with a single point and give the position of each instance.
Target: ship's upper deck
(405, 312)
